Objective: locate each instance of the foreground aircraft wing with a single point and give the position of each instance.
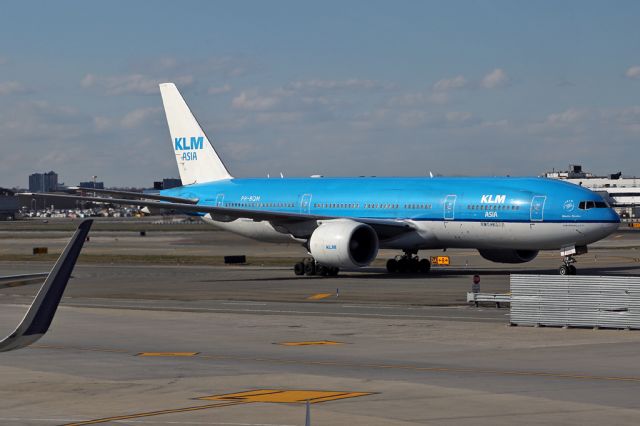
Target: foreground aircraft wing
(10, 280)
(38, 318)
(384, 227)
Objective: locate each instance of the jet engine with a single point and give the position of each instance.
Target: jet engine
(508, 256)
(344, 243)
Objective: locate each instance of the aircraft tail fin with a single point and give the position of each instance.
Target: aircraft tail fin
(197, 161)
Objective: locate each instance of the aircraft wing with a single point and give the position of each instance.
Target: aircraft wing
(136, 195)
(385, 228)
(11, 280)
(38, 318)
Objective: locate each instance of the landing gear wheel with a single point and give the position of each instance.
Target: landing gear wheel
(403, 265)
(298, 268)
(323, 271)
(414, 265)
(573, 270)
(409, 262)
(565, 270)
(333, 272)
(310, 268)
(424, 266)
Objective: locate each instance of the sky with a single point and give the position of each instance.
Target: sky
(337, 88)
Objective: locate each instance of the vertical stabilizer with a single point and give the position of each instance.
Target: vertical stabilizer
(197, 161)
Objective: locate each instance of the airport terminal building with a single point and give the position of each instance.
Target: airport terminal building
(623, 193)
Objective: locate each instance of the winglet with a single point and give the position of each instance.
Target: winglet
(38, 318)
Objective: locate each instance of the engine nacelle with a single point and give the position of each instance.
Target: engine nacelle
(344, 243)
(509, 256)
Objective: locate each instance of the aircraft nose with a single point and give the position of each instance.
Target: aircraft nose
(614, 216)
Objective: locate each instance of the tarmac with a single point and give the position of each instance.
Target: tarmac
(207, 344)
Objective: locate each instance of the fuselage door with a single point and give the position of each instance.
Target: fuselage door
(449, 207)
(537, 208)
(305, 204)
(220, 200)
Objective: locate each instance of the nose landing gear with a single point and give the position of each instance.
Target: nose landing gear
(568, 259)
(568, 268)
(408, 262)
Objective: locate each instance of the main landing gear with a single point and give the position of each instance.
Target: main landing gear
(309, 266)
(408, 262)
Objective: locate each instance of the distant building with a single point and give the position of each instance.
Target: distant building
(92, 185)
(8, 204)
(167, 183)
(43, 182)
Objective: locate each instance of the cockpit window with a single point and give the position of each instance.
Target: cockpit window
(586, 205)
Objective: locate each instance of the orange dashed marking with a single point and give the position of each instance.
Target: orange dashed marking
(319, 296)
(285, 396)
(319, 342)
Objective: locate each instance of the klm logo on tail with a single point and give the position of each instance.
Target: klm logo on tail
(189, 147)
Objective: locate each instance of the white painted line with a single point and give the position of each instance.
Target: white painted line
(276, 311)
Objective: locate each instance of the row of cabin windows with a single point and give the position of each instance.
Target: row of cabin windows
(331, 205)
(336, 205)
(417, 206)
(241, 205)
(492, 207)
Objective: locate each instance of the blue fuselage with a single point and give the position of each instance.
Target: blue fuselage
(418, 199)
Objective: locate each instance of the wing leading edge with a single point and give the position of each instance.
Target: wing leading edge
(385, 228)
(38, 318)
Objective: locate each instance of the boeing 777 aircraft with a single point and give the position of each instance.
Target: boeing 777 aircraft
(342, 222)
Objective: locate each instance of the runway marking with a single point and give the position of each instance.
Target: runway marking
(278, 311)
(319, 342)
(155, 413)
(381, 366)
(167, 354)
(428, 369)
(319, 296)
(279, 396)
(285, 396)
(41, 346)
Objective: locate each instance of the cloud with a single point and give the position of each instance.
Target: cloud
(633, 72)
(251, 101)
(458, 117)
(101, 123)
(138, 116)
(226, 66)
(12, 88)
(496, 78)
(139, 84)
(568, 117)
(443, 85)
(219, 90)
(352, 83)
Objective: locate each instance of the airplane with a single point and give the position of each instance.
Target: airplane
(343, 222)
(38, 318)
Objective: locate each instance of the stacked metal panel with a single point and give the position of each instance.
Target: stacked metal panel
(575, 301)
